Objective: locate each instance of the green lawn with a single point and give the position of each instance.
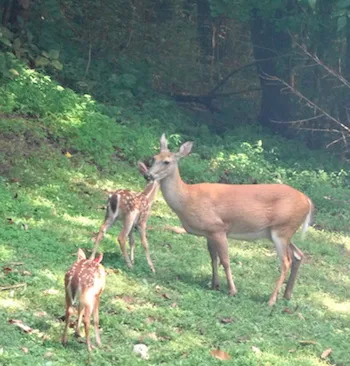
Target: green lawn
(51, 205)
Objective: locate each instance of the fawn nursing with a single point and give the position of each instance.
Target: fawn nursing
(134, 209)
(84, 284)
(243, 212)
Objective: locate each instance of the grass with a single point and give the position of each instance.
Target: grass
(52, 204)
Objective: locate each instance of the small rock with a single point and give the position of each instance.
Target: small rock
(141, 350)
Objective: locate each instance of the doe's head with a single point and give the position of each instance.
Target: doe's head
(166, 161)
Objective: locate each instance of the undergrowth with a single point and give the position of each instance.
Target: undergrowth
(59, 151)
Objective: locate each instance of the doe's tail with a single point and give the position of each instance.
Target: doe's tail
(309, 220)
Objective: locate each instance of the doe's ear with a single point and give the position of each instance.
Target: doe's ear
(185, 148)
(81, 255)
(163, 143)
(99, 258)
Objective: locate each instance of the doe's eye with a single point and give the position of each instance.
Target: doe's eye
(166, 162)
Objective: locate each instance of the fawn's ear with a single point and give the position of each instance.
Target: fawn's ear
(81, 255)
(99, 258)
(142, 168)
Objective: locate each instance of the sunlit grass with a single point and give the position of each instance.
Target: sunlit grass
(174, 312)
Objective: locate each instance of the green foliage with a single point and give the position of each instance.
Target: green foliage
(51, 203)
(23, 47)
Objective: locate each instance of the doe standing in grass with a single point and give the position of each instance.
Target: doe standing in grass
(84, 284)
(242, 212)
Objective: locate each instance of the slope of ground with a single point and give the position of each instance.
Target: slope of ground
(59, 153)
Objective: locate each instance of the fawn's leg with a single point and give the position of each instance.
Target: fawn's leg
(80, 317)
(69, 312)
(97, 320)
(127, 227)
(142, 228)
(109, 221)
(87, 316)
(132, 247)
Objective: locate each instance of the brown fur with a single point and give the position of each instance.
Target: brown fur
(134, 209)
(244, 212)
(84, 284)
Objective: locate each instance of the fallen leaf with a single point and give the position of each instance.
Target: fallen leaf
(288, 311)
(166, 296)
(174, 305)
(242, 339)
(150, 319)
(226, 320)
(112, 270)
(127, 299)
(7, 270)
(15, 196)
(292, 350)
(25, 349)
(19, 324)
(25, 226)
(51, 291)
(40, 314)
(221, 355)
(326, 353)
(68, 155)
(152, 336)
(164, 338)
(48, 354)
(300, 316)
(10, 221)
(14, 180)
(307, 343)
(256, 349)
(26, 273)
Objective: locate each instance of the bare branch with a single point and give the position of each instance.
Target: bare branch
(325, 67)
(5, 288)
(308, 101)
(299, 120)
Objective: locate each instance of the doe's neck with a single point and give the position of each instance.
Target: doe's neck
(174, 190)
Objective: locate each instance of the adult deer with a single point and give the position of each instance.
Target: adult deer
(84, 284)
(243, 212)
(134, 209)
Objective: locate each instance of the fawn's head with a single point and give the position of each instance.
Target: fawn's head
(81, 256)
(166, 161)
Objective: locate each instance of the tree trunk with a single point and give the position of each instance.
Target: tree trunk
(204, 27)
(270, 46)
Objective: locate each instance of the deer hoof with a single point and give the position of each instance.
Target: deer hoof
(232, 293)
